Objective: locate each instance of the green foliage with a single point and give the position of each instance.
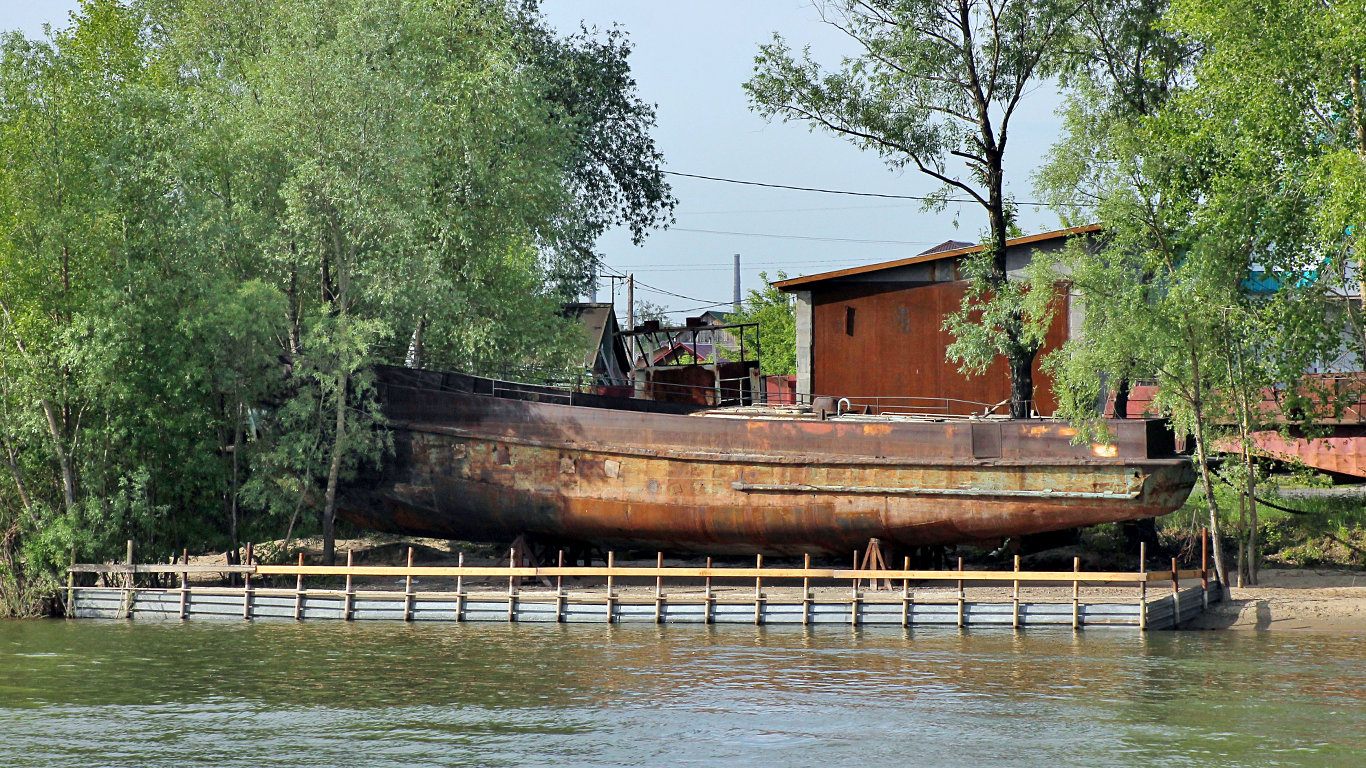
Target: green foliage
(1197, 137)
(776, 314)
(1009, 318)
(214, 218)
(933, 82)
(646, 311)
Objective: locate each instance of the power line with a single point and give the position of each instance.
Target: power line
(803, 237)
(922, 198)
(752, 266)
(647, 286)
(800, 210)
(809, 189)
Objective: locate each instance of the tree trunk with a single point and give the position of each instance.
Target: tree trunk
(1242, 541)
(1020, 359)
(415, 346)
(236, 447)
(1202, 459)
(12, 462)
(334, 473)
(63, 460)
(1122, 399)
(1021, 389)
(1253, 554)
(292, 314)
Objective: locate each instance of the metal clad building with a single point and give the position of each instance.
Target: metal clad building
(875, 333)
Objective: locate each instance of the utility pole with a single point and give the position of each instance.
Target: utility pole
(593, 291)
(631, 317)
(737, 282)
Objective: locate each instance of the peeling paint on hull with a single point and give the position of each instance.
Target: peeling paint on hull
(478, 467)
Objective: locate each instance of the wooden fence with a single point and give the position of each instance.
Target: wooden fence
(780, 595)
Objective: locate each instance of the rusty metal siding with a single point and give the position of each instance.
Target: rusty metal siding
(895, 346)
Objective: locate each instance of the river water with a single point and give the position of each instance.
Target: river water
(89, 693)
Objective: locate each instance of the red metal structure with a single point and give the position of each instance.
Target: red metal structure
(874, 334)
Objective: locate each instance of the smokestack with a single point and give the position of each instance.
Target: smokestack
(737, 282)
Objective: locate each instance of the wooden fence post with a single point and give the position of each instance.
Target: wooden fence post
(962, 596)
(707, 598)
(408, 589)
(512, 590)
(1176, 596)
(659, 587)
(1143, 586)
(246, 586)
(1015, 598)
(185, 585)
(460, 588)
(906, 594)
(70, 611)
(346, 601)
(758, 592)
(559, 592)
(806, 589)
(299, 591)
(1076, 594)
(611, 595)
(853, 600)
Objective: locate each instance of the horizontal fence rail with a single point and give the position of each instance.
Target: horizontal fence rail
(669, 572)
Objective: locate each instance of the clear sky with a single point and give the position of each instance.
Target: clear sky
(691, 59)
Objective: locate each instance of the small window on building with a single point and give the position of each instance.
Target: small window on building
(849, 321)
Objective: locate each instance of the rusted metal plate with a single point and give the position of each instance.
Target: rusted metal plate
(477, 467)
(1344, 452)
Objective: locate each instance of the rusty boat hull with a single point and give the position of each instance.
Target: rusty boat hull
(475, 463)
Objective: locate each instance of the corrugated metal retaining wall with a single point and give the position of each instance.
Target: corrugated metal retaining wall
(239, 604)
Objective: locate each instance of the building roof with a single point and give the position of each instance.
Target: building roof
(947, 245)
(599, 322)
(934, 254)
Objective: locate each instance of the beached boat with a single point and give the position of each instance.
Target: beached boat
(484, 460)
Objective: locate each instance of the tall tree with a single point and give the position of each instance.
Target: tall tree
(216, 217)
(1208, 283)
(936, 83)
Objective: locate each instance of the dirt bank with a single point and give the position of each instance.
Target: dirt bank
(1304, 599)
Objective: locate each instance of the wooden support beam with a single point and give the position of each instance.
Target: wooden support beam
(185, 588)
(806, 590)
(962, 596)
(408, 590)
(1076, 595)
(299, 592)
(246, 587)
(350, 595)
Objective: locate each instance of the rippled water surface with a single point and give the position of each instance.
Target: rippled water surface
(325, 694)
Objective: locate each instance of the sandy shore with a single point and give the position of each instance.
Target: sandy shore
(1305, 599)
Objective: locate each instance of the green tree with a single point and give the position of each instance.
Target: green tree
(216, 218)
(1195, 206)
(934, 82)
(776, 314)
